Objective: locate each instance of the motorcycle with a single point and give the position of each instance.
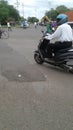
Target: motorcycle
(62, 58)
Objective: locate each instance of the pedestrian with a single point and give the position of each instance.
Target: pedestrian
(9, 26)
(35, 24)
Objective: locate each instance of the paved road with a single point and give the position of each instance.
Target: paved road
(32, 97)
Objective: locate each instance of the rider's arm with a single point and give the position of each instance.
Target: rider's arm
(55, 35)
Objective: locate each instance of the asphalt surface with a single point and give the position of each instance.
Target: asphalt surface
(32, 97)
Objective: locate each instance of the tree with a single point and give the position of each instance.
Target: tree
(13, 12)
(3, 2)
(7, 12)
(62, 9)
(52, 14)
(32, 19)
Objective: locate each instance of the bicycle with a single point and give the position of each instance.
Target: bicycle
(4, 34)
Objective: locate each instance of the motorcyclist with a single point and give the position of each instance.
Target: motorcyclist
(62, 38)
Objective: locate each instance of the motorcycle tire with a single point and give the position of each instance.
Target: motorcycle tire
(38, 58)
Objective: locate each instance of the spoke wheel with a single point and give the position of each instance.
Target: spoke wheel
(5, 35)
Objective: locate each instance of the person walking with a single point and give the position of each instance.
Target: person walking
(9, 26)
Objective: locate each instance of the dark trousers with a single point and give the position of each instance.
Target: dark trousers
(57, 46)
(43, 46)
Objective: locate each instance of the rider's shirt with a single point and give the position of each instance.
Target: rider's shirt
(62, 33)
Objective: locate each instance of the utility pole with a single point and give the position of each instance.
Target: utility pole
(23, 9)
(17, 4)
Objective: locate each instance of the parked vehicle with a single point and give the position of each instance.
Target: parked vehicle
(63, 58)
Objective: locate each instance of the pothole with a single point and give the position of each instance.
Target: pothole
(26, 74)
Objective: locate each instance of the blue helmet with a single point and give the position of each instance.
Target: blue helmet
(62, 18)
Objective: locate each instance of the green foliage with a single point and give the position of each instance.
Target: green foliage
(32, 19)
(62, 8)
(3, 2)
(4, 14)
(13, 12)
(52, 14)
(22, 18)
(7, 11)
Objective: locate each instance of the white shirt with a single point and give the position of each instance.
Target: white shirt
(62, 33)
(8, 24)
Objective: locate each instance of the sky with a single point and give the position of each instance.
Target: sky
(37, 8)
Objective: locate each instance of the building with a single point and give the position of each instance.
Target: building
(70, 16)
